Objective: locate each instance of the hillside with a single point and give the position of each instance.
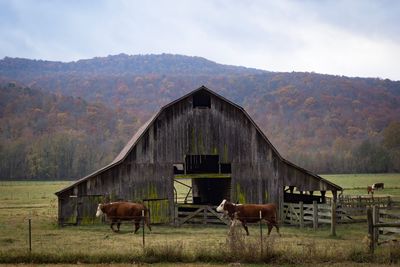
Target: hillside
(321, 122)
(46, 135)
(165, 64)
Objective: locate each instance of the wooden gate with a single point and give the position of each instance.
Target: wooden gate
(198, 214)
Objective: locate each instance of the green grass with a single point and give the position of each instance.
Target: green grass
(356, 184)
(206, 244)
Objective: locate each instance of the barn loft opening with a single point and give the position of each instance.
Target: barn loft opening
(201, 99)
(202, 164)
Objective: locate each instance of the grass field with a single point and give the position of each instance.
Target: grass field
(20, 201)
(356, 184)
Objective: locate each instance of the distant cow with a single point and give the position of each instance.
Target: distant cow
(124, 211)
(376, 186)
(250, 213)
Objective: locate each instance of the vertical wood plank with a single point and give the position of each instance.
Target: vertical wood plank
(370, 230)
(315, 215)
(333, 218)
(301, 215)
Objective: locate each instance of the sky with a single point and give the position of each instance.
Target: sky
(351, 38)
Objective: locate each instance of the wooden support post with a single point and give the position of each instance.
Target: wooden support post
(375, 220)
(290, 209)
(370, 230)
(261, 235)
(301, 215)
(176, 215)
(333, 218)
(315, 215)
(143, 227)
(30, 235)
(205, 215)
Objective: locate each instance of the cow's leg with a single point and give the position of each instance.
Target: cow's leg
(112, 225)
(146, 219)
(137, 226)
(270, 226)
(277, 228)
(245, 228)
(118, 225)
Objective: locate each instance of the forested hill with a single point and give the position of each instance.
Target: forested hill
(322, 122)
(50, 136)
(166, 64)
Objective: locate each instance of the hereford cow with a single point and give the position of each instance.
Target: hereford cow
(124, 211)
(250, 213)
(377, 186)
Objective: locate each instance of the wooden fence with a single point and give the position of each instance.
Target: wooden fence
(383, 225)
(310, 214)
(351, 210)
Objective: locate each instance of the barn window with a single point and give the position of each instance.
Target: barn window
(201, 100)
(202, 163)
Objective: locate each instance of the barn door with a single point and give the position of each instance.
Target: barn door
(159, 210)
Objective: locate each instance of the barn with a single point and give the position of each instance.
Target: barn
(202, 138)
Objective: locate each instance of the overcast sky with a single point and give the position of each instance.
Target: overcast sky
(351, 38)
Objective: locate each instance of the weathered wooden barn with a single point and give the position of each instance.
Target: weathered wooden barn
(206, 139)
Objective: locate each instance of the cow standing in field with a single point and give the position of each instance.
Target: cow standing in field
(124, 211)
(376, 186)
(250, 213)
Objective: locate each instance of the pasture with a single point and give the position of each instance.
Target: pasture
(20, 201)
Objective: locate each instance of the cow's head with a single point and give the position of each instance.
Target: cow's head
(99, 211)
(221, 207)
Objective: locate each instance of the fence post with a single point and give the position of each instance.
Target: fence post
(205, 215)
(301, 215)
(30, 235)
(370, 230)
(333, 218)
(143, 219)
(315, 215)
(261, 235)
(375, 220)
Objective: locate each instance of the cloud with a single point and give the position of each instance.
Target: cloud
(354, 38)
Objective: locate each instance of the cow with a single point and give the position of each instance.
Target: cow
(373, 187)
(377, 186)
(250, 213)
(124, 211)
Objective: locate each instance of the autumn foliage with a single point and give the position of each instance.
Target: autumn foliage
(63, 120)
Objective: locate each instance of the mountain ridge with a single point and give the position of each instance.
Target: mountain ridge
(315, 120)
(121, 64)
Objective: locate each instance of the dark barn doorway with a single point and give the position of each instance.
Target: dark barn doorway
(211, 191)
(210, 180)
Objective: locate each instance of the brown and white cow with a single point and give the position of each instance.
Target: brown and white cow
(377, 186)
(373, 187)
(124, 211)
(250, 213)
